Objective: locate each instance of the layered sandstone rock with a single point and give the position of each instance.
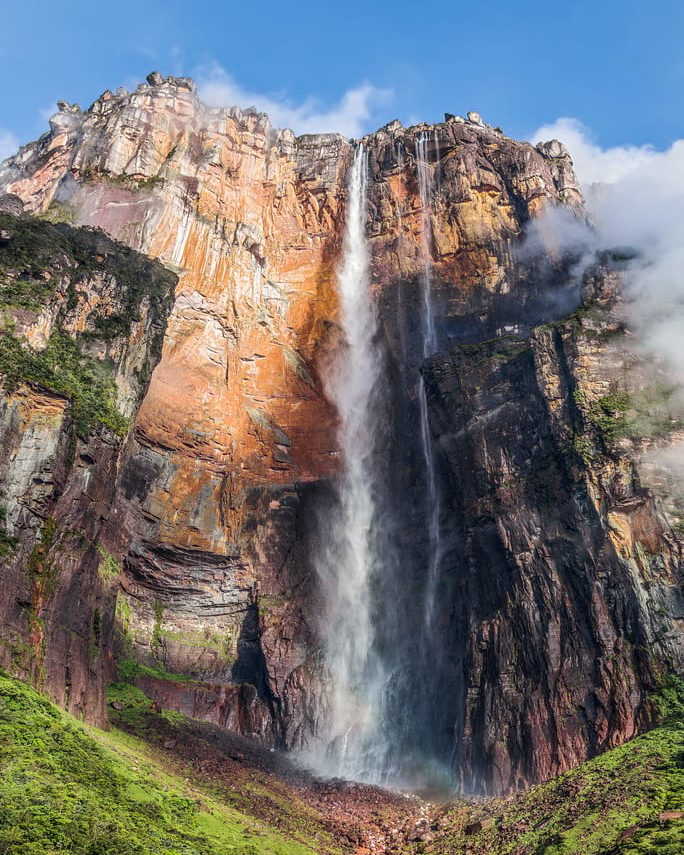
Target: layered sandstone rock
(211, 503)
(234, 418)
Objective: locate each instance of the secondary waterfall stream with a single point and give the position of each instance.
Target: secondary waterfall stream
(432, 499)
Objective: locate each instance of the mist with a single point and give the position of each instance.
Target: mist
(635, 199)
(8, 144)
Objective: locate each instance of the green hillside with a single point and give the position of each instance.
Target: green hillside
(70, 790)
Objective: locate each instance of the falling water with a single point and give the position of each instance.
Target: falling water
(381, 717)
(432, 498)
(351, 743)
(438, 156)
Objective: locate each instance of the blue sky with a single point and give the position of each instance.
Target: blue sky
(618, 67)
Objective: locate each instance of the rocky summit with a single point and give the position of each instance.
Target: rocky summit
(171, 455)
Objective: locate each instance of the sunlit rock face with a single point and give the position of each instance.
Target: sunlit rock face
(545, 633)
(234, 419)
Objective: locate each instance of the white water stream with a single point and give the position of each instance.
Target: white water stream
(352, 744)
(432, 498)
(378, 644)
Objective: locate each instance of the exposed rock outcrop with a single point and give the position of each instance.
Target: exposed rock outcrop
(571, 574)
(83, 320)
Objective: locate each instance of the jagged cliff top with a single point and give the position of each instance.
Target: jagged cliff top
(134, 136)
(71, 114)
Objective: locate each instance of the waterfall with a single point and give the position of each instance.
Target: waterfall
(432, 497)
(378, 719)
(350, 740)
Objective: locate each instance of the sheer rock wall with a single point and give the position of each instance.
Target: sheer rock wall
(557, 562)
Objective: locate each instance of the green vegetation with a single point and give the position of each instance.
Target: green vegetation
(651, 411)
(608, 806)
(39, 252)
(123, 616)
(608, 414)
(222, 643)
(66, 789)
(581, 448)
(638, 414)
(41, 571)
(590, 319)
(61, 367)
(44, 263)
(129, 669)
(635, 413)
(157, 641)
(7, 542)
(59, 212)
(134, 183)
(26, 293)
(20, 652)
(135, 711)
(245, 787)
(611, 804)
(69, 789)
(109, 567)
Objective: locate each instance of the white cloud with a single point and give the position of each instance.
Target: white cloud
(46, 113)
(594, 164)
(8, 144)
(635, 196)
(349, 116)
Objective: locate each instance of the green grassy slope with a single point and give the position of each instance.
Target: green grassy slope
(223, 767)
(611, 805)
(74, 790)
(65, 789)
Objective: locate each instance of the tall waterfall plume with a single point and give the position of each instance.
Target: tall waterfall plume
(351, 742)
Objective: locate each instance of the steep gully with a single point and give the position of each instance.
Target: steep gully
(515, 589)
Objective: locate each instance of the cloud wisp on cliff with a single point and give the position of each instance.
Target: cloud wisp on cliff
(8, 144)
(349, 116)
(635, 197)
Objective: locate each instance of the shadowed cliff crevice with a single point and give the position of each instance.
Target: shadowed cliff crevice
(251, 668)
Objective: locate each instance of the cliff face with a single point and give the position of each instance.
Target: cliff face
(557, 582)
(570, 573)
(83, 321)
(233, 420)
